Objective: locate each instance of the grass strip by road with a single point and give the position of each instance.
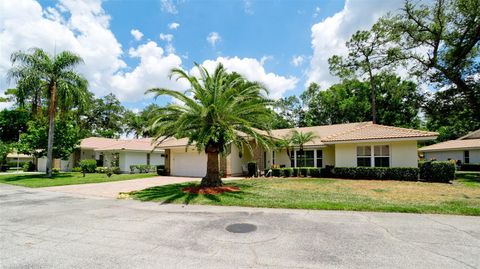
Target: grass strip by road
(461, 197)
(72, 178)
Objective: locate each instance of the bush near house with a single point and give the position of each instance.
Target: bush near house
(161, 170)
(28, 167)
(106, 170)
(383, 173)
(437, 171)
(142, 168)
(77, 169)
(88, 166)
(470, 167)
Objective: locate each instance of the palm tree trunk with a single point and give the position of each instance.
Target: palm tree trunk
(212, 178)
(51, 126)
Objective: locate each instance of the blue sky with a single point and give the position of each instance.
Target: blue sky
(129, 46)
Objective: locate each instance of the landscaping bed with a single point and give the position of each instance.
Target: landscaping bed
(462, 196)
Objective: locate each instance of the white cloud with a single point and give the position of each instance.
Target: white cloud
(213, 38)
(136, 34)
(297, 60)
(168, 6)
(166, 37)
(329, 36)
(266, 58)
(248, 7)
(152, 71)
(317, 12)
(173, 25)
(78, 26)
(253, 70)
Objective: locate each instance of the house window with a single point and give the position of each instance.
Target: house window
(273, 157)
(305, 158)
(364, 156)
(148, 158)
(466, 156)
(319, 158)
(292, 158)
(382, 155)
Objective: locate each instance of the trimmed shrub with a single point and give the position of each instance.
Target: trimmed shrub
(314, 172)
(383, 173)
(101, 170)
(88, 166)
(304, 171)
(276, 172)
(28, 167)
(287, 172)
(161, 170)
(327, 171)
(252, 169)
(437, 171)
(77, 169)
(55, 170)
(296, 171)
(115, 170)
(470, 167)
(4, 168)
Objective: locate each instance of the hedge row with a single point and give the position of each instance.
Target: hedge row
(295, 172)
(470, 167)
(382, 173)
(437, 171)
(142, 168)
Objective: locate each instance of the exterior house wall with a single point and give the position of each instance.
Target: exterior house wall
(402, 153)
(236, 163)
(453, 155)
(122, 162)
(328, 156)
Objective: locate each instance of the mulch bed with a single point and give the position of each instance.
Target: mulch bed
(212, 190)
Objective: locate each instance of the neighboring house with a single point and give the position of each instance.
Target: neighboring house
(18, 157)
(111, 152)
(466, 149)
(341, 145)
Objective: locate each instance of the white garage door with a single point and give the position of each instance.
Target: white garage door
(189, 164)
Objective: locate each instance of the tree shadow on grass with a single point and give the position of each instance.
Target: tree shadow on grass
(173, 193)
(20, 177)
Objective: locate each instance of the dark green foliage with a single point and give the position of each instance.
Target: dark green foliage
(28, 167)
(12, 124)
(252, 169)
(287, 172)
(314, 172)
(88, 166)
(161, 170)
(296, 171)
(327, 171)
(383, 173)
(437, 171)
(77, 169)
(277, 172)
(304, 171)
(470, 167)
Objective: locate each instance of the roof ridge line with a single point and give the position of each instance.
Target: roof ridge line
(362, 125)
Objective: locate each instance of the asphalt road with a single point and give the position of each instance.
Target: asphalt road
(44, 229)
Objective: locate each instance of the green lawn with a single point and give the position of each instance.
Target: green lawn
(460, 197)
(39, 180)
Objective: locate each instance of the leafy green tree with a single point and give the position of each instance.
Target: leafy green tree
(439, 40)
(34, 141)
(286, 112)
(223, 109)
(399, 103)
(12, 123)
(5, 148)
(66, 88)
(368, 54)
(105, 117)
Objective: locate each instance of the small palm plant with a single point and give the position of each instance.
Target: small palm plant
(220, 109)
(299, 139)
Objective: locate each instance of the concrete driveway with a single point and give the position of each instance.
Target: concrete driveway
(44, 229)
(112, 189)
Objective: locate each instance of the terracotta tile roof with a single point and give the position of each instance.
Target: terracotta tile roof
(331, 134)
(100, 143)
(472, 135)
(453, 144)
(372, 131)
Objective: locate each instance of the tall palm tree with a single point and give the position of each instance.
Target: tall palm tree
(65, 88)
(220, 109)
(299, 139)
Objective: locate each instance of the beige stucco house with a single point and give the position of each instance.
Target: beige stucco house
(108, 151)
(466, 149)
(341, 145)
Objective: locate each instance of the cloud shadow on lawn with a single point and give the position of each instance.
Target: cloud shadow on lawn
(173, 193)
